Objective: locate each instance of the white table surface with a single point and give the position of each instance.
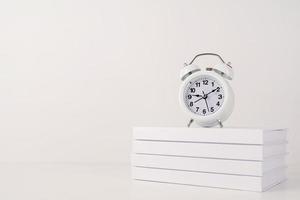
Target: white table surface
(43, 181)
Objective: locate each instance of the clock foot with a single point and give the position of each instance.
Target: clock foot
(220, 123)
(190, 122)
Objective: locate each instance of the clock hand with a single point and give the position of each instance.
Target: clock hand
(212, 91)
(196, 95)
(198, 99)
(206, 101)
(206, 105)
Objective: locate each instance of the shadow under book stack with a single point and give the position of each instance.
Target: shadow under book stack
(250, 159)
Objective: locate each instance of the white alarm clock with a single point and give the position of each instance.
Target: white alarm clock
(205, 94)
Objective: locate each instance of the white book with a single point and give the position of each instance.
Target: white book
(239, 182)
(211, 135)
(223, 166)
(209, 150)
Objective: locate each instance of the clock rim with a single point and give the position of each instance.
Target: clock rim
(222, 113)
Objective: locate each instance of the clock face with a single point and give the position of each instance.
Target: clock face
(204, 95)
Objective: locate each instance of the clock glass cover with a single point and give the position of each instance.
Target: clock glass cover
(204, 95)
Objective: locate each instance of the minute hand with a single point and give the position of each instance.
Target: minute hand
(211, 91)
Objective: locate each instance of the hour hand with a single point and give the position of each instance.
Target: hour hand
(197, 95)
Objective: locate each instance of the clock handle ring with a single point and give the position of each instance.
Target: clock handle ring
(210, 54)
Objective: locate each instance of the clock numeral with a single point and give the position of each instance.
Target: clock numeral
(204, 111)
(218, 89)
(205, 82)
(213, 84)
(189, 96)
(193, 90)
(218, 103)
(191, 104)
(197, 109)
(197, 84)
(220, 96)
(212, 109)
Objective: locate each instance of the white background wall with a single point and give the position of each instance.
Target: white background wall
(76, 76)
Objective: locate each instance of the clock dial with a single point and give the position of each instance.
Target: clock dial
(204, 95)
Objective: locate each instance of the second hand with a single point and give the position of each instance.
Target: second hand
(205, 101)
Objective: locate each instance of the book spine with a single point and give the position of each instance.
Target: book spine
(238, 136)
(226, 151)
(225, 166)
(208, 150)
(250, 183)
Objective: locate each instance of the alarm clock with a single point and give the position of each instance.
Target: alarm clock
(205, 94)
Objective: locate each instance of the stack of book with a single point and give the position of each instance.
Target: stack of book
(250, 159)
